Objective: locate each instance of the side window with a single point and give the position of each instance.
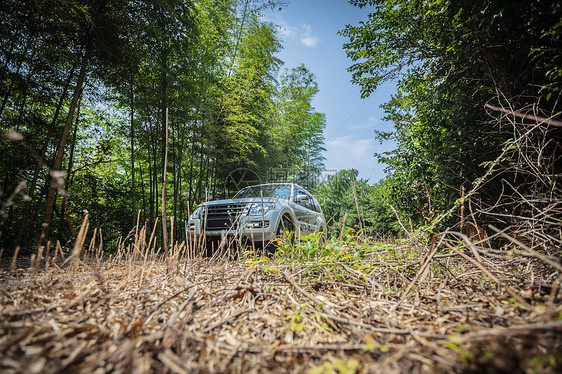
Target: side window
(310, 204)
(298, 191)
(316, 205)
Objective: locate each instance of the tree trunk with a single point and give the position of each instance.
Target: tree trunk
(143, 193)
(164, 113)
(133, 187)
(154, 180)
(151, 182)
(41, 160)
(150, 196)
(54, 179)
(64, 206)
(164, 167)
(178, 184)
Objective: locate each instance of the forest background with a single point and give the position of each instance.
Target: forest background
(94, 94)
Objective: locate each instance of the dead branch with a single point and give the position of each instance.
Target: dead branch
(531, 117)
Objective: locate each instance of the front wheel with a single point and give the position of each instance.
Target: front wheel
(285, 230)
(285, 226)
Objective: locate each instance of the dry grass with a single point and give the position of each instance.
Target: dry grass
(352, 307)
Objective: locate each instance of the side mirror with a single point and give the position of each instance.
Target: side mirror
(302, 199)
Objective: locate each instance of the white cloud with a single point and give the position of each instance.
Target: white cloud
(346, 152)
(310, 41)
(286, 31)
(302, 34)
(370, 123)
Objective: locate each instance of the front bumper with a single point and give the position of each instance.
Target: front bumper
(249, 227)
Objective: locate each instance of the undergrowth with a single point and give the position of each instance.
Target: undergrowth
(347, 304)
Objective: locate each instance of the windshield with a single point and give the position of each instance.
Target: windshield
(280, 191)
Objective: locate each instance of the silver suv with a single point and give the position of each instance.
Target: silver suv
(259, 213)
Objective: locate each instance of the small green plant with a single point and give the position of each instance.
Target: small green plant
(303, 248)
(296, 320)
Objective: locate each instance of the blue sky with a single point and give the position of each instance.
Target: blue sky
(308, 29)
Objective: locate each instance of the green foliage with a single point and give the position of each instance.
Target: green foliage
(351, 246)
(296, 138)
(337, 197)
(450, 58)
(206, 68)
(241, 127)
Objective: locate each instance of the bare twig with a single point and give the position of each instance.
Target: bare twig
(527, 249)
(531, 117)
(492, 276)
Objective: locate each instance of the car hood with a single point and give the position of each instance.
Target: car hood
(246, 201)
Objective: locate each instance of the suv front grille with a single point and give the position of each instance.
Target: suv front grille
(222, 217)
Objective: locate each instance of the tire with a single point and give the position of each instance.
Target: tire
(285, 227)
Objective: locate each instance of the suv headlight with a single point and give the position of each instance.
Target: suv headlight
(260, 209)
(196, 214)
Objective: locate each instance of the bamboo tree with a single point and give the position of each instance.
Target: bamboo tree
(41, 157)
(132, 139)
(54, 177)
(164, 179)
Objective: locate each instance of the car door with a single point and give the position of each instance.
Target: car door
(301, 212)
(316, 220)
(306, 210)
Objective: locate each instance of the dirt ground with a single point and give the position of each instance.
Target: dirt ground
(392, 311)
